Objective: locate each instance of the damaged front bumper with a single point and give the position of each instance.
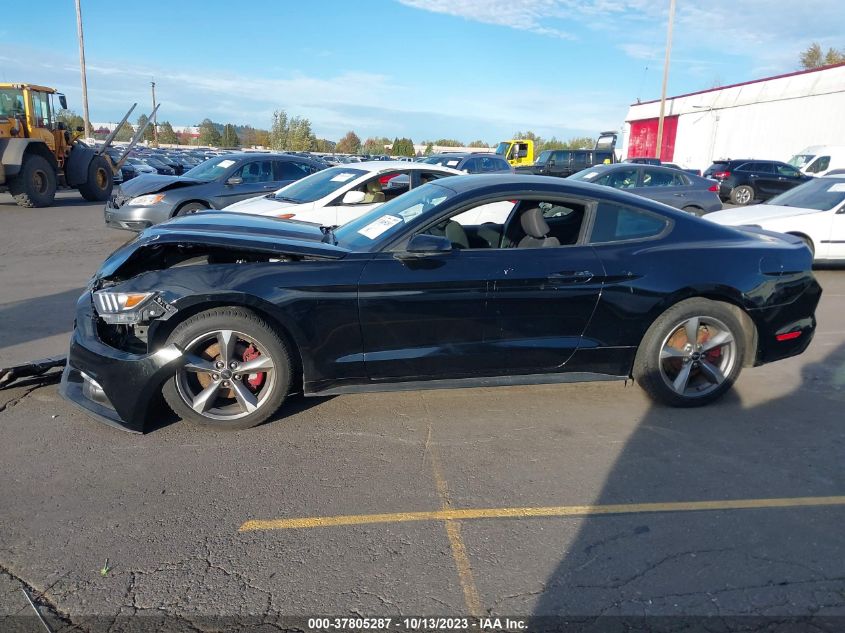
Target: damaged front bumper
(115, 386)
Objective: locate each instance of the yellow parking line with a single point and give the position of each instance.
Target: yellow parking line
(547, 511)
(472, 599)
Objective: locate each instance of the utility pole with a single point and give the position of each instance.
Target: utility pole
(86, 119)
(155, 126)
(665, 79)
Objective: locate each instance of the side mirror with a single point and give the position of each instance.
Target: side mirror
(61, 125)
(551, 162)
(63, 102)
(235, 180)
(353, 197)
(79, 128)
(424, 244)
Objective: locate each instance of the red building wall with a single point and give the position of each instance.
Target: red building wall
(643, 140)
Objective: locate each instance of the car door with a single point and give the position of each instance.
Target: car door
(559, 164)
(762, 176)
(425, 317)
(252, 179)
(787, 177)
(836, 242)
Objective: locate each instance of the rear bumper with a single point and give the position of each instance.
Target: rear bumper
(114, 386)
(786, 330)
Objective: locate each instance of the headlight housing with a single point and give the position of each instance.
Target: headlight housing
(147, 200)
(126, 307)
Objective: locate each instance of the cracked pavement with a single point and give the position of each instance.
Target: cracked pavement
(164, 508)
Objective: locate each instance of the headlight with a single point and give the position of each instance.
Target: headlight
(125, 307)
(149, 199)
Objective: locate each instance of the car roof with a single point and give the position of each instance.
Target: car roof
(388, 165)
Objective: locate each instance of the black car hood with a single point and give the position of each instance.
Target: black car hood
(245, 233)
(154, 183)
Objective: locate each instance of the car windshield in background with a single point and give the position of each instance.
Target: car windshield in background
(821, 194)
(446, 161)
(801, 160)
(210, 170)
(372, 228)
(318, 185)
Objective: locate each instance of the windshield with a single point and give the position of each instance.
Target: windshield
(210, 170)
(318, 185)
(502, 148)
(799, 161)
(821, 194)
(384, 222)
(446, 161)
(543, 157)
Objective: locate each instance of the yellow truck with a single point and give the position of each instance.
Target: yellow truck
(521, 151)
(38, 153)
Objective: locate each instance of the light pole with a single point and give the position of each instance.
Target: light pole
(155, 127)
(81, 38)
(665, 79)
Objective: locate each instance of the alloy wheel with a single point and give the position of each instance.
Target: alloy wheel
(697, 356)
(228, 375)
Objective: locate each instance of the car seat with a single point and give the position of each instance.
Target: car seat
(536, 230)
(374, 194)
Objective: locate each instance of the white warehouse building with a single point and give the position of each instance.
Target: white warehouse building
(772, 118)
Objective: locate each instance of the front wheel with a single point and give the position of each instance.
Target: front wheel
(692, 354)
(237, 372)
(191, 208)
(99, 182)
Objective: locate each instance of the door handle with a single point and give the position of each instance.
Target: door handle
(571, 276)
(680, 195)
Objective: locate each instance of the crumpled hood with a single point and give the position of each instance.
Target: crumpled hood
(756, 214)
(227, 230)
(268, 205)
(153, 183)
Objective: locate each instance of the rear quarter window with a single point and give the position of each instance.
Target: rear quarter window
(617, 223)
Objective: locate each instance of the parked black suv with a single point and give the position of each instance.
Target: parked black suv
(746, 180)
(565, 162)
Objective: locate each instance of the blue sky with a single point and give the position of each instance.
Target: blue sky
(427, 69)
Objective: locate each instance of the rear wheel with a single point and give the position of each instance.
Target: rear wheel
(237, 374)
(692, 354)
(35, 184)
(97, 187)
(744, 194)
(809, 244)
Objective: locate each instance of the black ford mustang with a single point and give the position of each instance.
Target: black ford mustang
(472, 280)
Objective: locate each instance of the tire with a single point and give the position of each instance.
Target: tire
(35, 184)
(207, 394)
(693, 210)
(98, 185)
(679, 375)
(190, 208)
(742, 195)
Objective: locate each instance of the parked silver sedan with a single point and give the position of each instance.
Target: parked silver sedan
(674, 187)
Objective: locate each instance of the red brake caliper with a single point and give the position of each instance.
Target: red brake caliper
(254, 380)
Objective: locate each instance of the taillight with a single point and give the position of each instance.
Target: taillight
(385, 179)
(713, 188)
(721, 175)
(788, 336)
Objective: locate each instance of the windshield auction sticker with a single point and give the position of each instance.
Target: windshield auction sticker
(342, 177)
(376, 228)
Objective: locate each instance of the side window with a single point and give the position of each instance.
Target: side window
(489, 164)
(579, 160)
(679, 180)
(787, 170)
(258, 171)
(290, 170)
(472, 165)
(764, 168)
(501, 165)
(820, 164)
(619, 179)
(657, 178)
(615, 223)
(747, 167)
(562, 158)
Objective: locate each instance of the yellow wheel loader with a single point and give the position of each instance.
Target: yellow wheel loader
(38, 153)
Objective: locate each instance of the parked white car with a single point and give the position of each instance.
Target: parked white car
(337, 195)
(814, 211)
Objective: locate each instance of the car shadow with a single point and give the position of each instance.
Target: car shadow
(719, 569)
(37, 318)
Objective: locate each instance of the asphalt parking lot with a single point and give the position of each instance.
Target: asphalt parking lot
(581, 500)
